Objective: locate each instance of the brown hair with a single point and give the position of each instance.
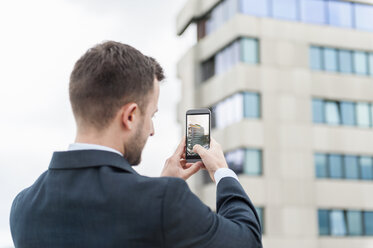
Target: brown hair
(108, 76)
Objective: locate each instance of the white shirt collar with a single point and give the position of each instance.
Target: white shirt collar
(85, 146)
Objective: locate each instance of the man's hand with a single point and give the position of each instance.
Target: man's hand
(213, 158)
(176, 165)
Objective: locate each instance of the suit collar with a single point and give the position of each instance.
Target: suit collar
(89, 158)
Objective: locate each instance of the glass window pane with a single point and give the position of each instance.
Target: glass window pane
(354, 223)
(313, 11)
(237, 108)
(335, 166)
(253, 162)
(368, 223)
(249, 51)
(235, 160)
(251, 105)
(332, 113)
(316, 58)
(348, 113)
(363, 114)
(323, 219)
(260, 215)
(285, 9)
(208, 69)
(220, 115)
(340, 13)
(254, 7)
(351, 165)
(318, 111)
(345, 61)
(330, 59)
(321, 166)
(360, 63)
(235, 52)
(366, 168)
(231, 8)
(337, 223)
(371, 64)
(364, 17)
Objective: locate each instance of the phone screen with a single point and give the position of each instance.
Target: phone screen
(198, 132)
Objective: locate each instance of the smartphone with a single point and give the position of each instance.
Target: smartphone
(198, 126)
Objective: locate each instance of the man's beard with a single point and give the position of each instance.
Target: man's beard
(134, 146)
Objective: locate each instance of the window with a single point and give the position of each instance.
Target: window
(340, 13)
(351, 167)
(253, 162)
(345, 222)
(316, 58)
(332, 113)
(321, 168)
(348, 113)
(254, 7)
(364, 17)
(313, 11)
(345, 61)
(318, 111)
(231, 8)
(285, 9)
(251, 105)
(370, 64)
(323, 219)
(368, 223)
(248, 161)
(249, 51)
(235, 160)
(354, 223)
(337, 223)
(208, 69)
(360, 63)
(260, 211)
(363, 114)
(236, 107)
(366, 168)
(330, 59)
(335, 166)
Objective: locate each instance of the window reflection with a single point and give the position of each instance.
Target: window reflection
(340, 13)
(235, 108)
(332, 12)
(341, 60)
(244, 50)
(338, 223)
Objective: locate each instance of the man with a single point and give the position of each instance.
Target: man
(90, 196)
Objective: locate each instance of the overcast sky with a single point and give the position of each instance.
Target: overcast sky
(40, 42)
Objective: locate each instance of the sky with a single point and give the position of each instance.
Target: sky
(40, 42)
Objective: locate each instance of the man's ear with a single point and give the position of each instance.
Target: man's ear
(130, 112)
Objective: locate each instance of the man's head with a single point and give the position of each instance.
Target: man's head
(114, 93)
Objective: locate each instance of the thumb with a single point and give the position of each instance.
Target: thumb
(199, 149)
(194, 168)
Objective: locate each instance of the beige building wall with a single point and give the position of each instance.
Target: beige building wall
(288, 189)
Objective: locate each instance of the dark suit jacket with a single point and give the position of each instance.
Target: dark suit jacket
(92, 198)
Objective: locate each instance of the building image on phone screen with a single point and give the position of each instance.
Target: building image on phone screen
(197, 132)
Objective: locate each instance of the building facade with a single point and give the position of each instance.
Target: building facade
(290, 87)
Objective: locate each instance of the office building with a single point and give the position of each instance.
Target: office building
(290, 86)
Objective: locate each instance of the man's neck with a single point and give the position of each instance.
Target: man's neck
(102, 140)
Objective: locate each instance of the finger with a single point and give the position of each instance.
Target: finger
(187, 165)
(194, 168)
(180, 148)
(183, 154)
(183, 163)
(199, 149)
